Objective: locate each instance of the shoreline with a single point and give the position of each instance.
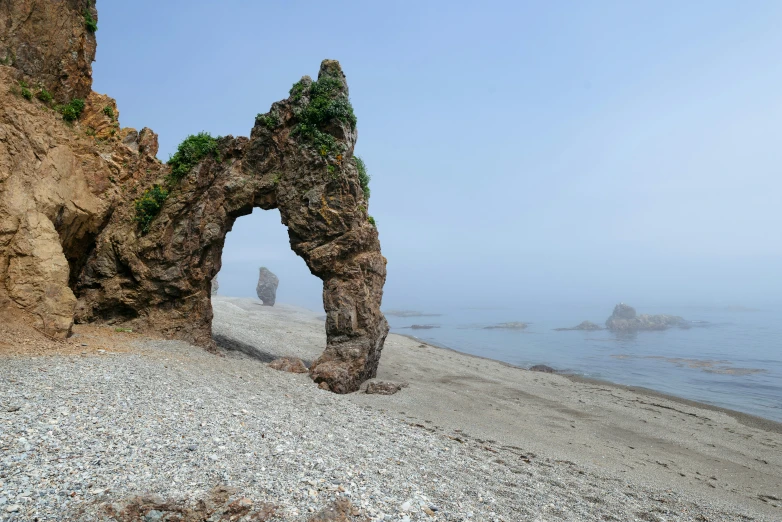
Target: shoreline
(748, 419)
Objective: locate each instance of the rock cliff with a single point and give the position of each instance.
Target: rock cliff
(94, 227)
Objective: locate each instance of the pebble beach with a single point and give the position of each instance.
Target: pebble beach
(90, 426)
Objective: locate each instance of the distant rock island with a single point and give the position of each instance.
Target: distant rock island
(624, 319)
(422, 326)
(516, 325)
(409, 313)
(584, 325)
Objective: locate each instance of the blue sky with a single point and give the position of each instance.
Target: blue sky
(571, 151)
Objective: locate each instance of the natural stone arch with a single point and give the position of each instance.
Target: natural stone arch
(294, 161)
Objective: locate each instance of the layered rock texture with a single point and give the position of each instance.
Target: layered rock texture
(625, 319)
(94, 228)
(266, 289)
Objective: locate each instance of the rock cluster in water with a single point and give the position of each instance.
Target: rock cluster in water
(624, 318)
(74, 244)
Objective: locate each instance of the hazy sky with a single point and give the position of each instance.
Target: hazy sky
(518, 150)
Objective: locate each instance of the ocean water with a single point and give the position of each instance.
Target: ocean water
(729, 358)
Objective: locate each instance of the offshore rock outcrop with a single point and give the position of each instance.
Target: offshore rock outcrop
(583, 325)
(70, 243)
(266, 289)
(624, 319)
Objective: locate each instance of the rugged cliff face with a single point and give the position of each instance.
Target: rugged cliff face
(93, 226)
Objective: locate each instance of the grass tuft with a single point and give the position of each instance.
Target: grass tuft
(193, 149)
(148, 206)
(89, 22)
(363, 176)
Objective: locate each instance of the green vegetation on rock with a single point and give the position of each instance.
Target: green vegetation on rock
(89, 22)
(363, 176)
(148, 206)
(372, 221)
(72, 111)
(193, 149)
(327, 101)
(43, 95)
(108, 110)
(270, 121)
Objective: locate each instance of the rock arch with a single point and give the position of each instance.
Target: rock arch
(70, 244)
(161, 280)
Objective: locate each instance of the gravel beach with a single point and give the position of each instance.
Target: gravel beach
(90, 424)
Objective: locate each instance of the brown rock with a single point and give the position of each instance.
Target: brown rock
(289, 364)
(542, 368)
(49, 44)
(70, 245)
(383, 388)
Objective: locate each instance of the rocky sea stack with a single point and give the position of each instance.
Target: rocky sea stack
(624, 319)
(94, 228)
(266, 289)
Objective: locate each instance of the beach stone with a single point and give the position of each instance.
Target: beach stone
(383, 388)
(289, 364)
(542, 368)
(266, 289)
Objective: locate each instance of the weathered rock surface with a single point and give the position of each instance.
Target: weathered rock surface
(584, 325)
(624, 319)
(48, 43)
(70, 245)
(266, 289)
(289, 364)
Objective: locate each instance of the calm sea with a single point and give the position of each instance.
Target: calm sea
(729, 358)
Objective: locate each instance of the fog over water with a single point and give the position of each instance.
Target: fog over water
(522, 156)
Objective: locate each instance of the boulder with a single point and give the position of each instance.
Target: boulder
(624, 319)
(267, 286)
(289, 364)
(215, 286)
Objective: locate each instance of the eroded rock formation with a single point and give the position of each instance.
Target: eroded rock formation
(624, 319)
(266, 289)
(71, 241)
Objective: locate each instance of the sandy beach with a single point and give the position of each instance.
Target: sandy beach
(466, 439)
